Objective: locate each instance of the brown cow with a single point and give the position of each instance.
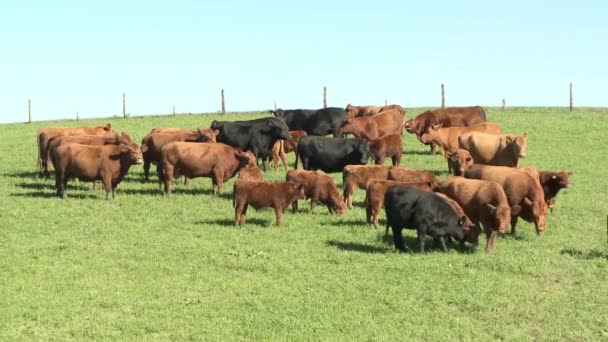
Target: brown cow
(278, 195)
(45, 134)
(360, 111)
(446, 117)
(374, 196)
(459, 162)
(375, 126)
(91, 140)
(108, 163)
(524, 192)
(494, 149)
(319, 188)
(483, 202)
(447, 137)
(354, 176)
(406, 175)
(251, 173)
(282, 147)
(552, 182)
(218, 161)
(389, 145)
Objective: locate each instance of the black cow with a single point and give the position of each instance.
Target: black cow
(314, 122)
(410, 208)
(331, 154)
(257, 136)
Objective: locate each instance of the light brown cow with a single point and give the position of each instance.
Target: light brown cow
(319, 188)
(484, 203)
(494, 149)
(277, 195)
(251, 173)
(447, 137)
(282, 147)
(218, 161)
(390, 145)
(108, 163)
(373, 127)
(403, 174)
(45, 134)
(459, 162)
(524, 192)
(357, 176)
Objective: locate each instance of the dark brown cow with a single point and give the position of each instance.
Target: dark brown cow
(373, 127)
(108, 163)
(251, 173)
(494, 149)
(374, 196)
(45, 134)
(459, 162)
(406, 175)
(523, 190)
(552, 182)
(277, 195)
(446, 117)
(389, 145)
(218, 161)
(282, 147)
(447, 137)
(357, 176)
(319, 188)
(483, 202)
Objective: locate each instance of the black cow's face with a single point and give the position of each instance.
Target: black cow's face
(279, 113)
(216, 125)
(364, 150)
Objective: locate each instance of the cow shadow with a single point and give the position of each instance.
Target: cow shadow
(344, 222)
(36, 186)
(584, 255)
(23, 174)
(228, 222)
(412, 245)
(417, 152)
(356, 247)
(44, 194)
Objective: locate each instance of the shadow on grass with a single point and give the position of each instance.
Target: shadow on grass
(356, 247)
(418, 152)
(585, 255)
(230, 222)
(37, 186)
(45, 194)
(148, 191)
(344, 222)
(24, 174)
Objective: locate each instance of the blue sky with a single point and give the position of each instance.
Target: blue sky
(80, 56)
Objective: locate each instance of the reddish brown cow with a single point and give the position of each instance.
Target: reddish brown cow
(251, 173)
(282, 147)
(357, 176)
(45, 134)
(108, 163)
(277, 195)
(552, 182)
(218, 161)
(91, 140)
(524, 192)
(447, 137)
(483, 202)
(459, 162)
(374, 196)
(319, 188)
(406, 175)
(389, 145)
(360, 111)
(373, 127)
(494, 149)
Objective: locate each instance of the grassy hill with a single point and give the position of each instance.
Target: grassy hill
(144, 266)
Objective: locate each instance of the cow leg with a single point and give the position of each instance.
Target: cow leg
(348, 195)
(186, 181)
(59, 184)
(421, 240)
(398, 238)
(219, 179)
(264, 162)
(376, 215)
(433, 146)
(491, 236)
(244, 214)
(146, 170)
(114, 191)
(283, 158)
(238, 210)
(368, 213)
(279, 214)
(313, 202)
(441, 239)
(449, 167)
(168, 178)
(107, 185)
(513, 224)
(394, 160)
(294, 206)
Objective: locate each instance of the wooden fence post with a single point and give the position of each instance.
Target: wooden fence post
(173, 110)
(571, 97)
(223, 103)
(324, 97)
(124, 106)
(77, 116)
(275, 106)
(442, 96)
(504, 104)
(385, 102)
(29, 110)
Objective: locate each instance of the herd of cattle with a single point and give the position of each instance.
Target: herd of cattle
(487, 188)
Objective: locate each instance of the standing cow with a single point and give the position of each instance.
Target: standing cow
(494, 149)
(331, 154)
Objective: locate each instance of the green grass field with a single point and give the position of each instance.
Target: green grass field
(146, 267)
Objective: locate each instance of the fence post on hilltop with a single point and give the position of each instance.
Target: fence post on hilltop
(571, 97)
(275, 106)
(324, 97)
(124, 106)
(504, 104)
(77, 116)
(223, 103)
(173, 110)
(385, 102)
(442, 96)
(29, 110)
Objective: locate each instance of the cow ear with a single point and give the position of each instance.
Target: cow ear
(509, 139)
(569, 173)
(462, 220)
(491, 207)
(527, 201)
(525, 135)
(216, 132)
(554, 177)
(108, 127)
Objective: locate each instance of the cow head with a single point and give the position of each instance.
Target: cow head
(130, 151)
(461, 160)
(277, 129)
(217, 125)
(351, 111)
(499, 216)
(518, 144)
(538, 209)
(207, 134)
(299, 190)
(346, 127)
(245, 158)
(363, 149)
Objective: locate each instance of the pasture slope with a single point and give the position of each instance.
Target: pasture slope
(148, 267)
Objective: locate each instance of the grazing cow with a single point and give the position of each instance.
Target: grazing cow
(282, 147)
(319, 122)
(374, 196)
(108, 163)
(45, 134)
(257, 136)
(459, 161)
(375, 126)
(402, 174)
(331, 154)
(357, 176)
(524, 192)
(411, 208)
(552, 182)
(319, 188)
(251, 173)
(278, 195)
(446, 117)
(447, 137)
(483, 202)
(218, 161)
(494, 149)
(389, 145)
(156, 141)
